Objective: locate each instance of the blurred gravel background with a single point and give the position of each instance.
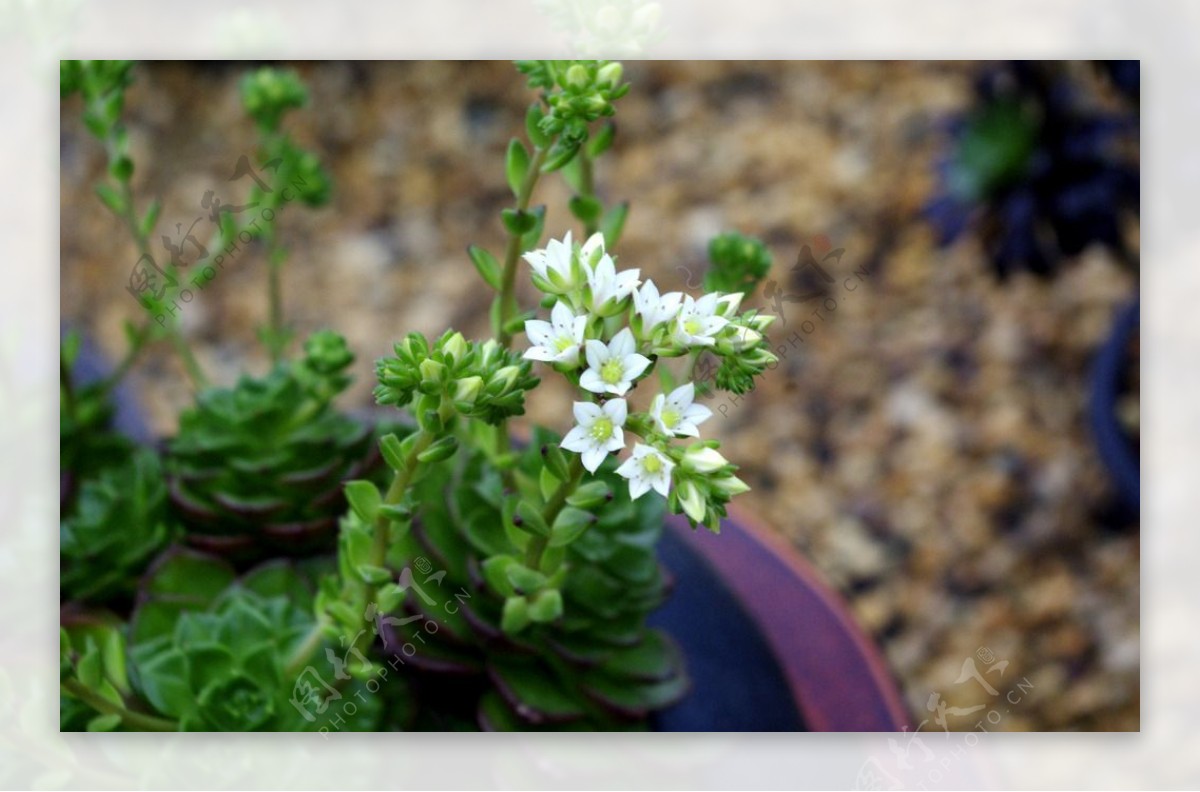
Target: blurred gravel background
(924, 443)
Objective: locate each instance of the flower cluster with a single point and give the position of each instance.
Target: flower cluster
(607, 331)
(481, 380)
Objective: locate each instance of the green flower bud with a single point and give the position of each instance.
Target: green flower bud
(432, 371)
(577, 76)
(730, 486)
(692, 501)
(609, 74)
(467, 390)
(455, 346)
(507, 375)
(703, 459)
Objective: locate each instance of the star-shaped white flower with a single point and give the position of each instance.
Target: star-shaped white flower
(597, 432)
(558, 340)
(647, 468)
(653, 308)
(727, 304)
(697, 323)
(553, 262)
(610, 287)
(676, 415)
(613, 368)
(594, 243)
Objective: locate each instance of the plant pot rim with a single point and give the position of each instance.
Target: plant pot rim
(837, 676)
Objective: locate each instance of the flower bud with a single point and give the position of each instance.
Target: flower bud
(727, 304)
(577, 76)
(730, 486)
(455, 346)
(692, 501)
(467, 389)
(703, 459)
(610, 74)
(739, 339)
(507, 376)
(432, 371)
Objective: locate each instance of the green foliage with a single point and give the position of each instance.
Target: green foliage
(258, 469)
(268, 94)
(737, 263)
(576, 94)
(482, 380)
(118, 524)
(563, 646)
(87, 442)
(995, 149)
(221, 664)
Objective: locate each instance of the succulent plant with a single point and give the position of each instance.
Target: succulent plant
(257, 469)
(88, 443)
(118, 524)
(525, 649)
(212, 652)
(1039, 170)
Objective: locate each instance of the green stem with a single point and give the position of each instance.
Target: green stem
(382, 534)
(305, 650)
(179, 342)
(537, 544)
(512, 253)
(587, 189)
(136, 720)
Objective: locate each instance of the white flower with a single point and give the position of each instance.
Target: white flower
(647, 468)
(609, 287)
(553, 264)
(597, 431)
(558, 340)
(697, 324)
(675, 415)
(613, 368)
(655, 309)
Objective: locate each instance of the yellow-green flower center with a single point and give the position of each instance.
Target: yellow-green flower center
(563, 344)
(651, 463)
(612, 371)
(692, 326)
(670, 418)
(601, 430)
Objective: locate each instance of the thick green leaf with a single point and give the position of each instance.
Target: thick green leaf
(516, 165)
(535, 696)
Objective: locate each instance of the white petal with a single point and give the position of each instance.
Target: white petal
(618, 389)
(595, 241)
(561, 316)
(576, 440)
(634, 365)
(628, 468)
(686, 429)
(539, 353)
(586, 413)
(617, 410)
(638, 487)
(593, 457)
(682, 396)
(591, 381)
(539, 332)
(707, 304)
(662, 482)
(597, 353)
(578, 325)
(622, 344)
(616, 442)
(697, 414)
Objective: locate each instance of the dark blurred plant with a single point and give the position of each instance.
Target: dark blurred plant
(118, 524)
(257, 469)
(1038, 170)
